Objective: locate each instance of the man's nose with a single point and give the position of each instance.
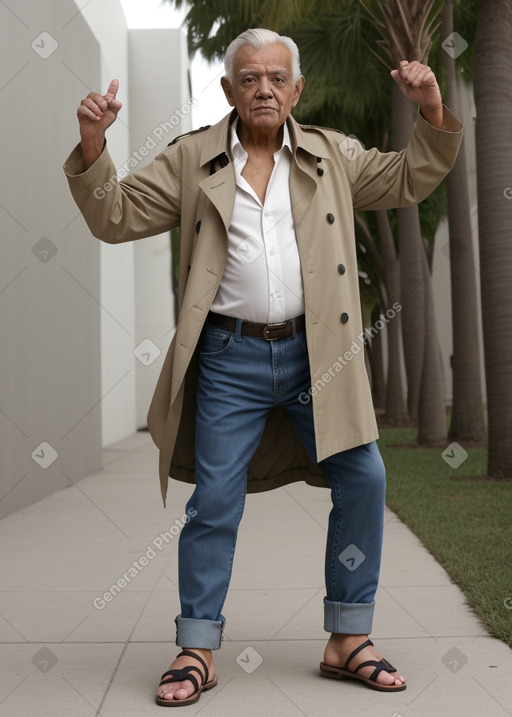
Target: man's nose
(265, 88)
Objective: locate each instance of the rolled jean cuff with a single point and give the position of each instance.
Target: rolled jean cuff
(204, 634)
(348, 618)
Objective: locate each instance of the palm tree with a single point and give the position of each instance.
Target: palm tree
(493, 95)
(396, 412)
(406, 33)
(467, 419)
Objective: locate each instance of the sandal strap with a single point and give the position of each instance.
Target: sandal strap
(380, 666)
(355, 652)
(189, 653)
(181, 676)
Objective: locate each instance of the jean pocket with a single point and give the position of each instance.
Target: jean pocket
(215, 341)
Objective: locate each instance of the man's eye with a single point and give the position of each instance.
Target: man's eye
(247, 80)
(279, 79)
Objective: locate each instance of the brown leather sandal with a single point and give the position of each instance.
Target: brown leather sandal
(185, 674)
(340, 673)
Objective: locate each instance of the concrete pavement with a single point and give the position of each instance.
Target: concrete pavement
(88, 597)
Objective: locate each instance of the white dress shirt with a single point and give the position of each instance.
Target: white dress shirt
(262, 280)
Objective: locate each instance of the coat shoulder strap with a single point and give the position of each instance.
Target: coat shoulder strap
(189, 134)
(323, 129)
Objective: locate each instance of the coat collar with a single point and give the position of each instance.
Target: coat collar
(217, 139)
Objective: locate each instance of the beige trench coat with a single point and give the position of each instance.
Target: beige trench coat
(192, 184)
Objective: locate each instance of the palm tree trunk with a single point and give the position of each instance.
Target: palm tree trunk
(467, 421)
(376, 357)
(411, 277)
(396, 412)
(421, 348)
(432, 403)
(493, 91)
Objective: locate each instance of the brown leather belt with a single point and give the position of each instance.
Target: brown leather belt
(269, 332)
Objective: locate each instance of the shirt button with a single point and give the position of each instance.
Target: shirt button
(344, 318)
(330, 218)
(341, 268)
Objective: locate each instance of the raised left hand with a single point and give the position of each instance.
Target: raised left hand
(418, 83)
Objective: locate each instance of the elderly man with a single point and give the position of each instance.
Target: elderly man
(257, 390)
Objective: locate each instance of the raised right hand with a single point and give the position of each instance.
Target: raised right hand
(95, 114)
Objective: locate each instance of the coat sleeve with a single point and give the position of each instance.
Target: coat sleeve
(398, 179)
(146, 203)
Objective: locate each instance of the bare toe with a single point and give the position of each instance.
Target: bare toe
(197, 664)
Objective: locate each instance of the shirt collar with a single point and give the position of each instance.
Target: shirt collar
(239, 152)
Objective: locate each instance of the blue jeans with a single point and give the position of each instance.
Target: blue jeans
(240, 379)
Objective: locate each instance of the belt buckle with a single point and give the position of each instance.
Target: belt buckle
(270, 328)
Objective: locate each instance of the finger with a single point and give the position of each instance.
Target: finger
(92, 106)
(416, 74)
(115, 106)
(400, 75)
(97, 100)
(84, 112)
(424, 76)
(409, 68)
(403, 69)
(395, 74)
(112, 91)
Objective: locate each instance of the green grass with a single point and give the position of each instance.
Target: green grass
(462, 518)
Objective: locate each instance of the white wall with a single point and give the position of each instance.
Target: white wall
(160, 112)
(107, 22)
(68, 317)
(50, 413)
(136, 299)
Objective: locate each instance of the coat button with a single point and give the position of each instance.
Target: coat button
(319, 159)
(344, 318)
(330, 218)
(198, 226)
(341, 268)
(319, 171)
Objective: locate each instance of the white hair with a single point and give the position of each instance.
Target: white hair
(258, 38)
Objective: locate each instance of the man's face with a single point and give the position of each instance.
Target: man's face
(263, 90)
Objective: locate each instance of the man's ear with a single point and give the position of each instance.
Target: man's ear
(298, 90)
(228, 90)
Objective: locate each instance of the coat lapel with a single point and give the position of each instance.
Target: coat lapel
(220, 186)
(307, 147)
(220, 190)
